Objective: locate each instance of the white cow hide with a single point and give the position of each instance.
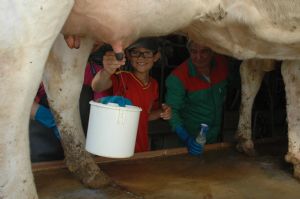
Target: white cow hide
(245, 29)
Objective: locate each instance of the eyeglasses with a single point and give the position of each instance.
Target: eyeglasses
(145, 54)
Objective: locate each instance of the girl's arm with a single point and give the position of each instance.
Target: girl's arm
(165, 112)
(102, 81)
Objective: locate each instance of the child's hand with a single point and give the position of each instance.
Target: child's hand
(166, 113)
(110, 63)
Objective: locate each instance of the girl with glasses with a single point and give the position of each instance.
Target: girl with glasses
(137, 85)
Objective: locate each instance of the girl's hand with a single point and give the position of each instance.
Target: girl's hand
(110, 63)
(166, 113)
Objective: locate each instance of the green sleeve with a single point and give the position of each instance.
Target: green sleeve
(175, 99)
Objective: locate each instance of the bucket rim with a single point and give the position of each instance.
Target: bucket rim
(133, 109)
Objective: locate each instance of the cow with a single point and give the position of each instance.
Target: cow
(264, 29)
(252, 72)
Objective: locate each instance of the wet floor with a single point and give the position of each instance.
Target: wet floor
(216, 175)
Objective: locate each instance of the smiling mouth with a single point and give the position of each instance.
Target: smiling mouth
(141, 63)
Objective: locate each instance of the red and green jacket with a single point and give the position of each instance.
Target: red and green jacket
(194, 100)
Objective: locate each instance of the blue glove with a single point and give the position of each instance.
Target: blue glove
(44, 116)
(56, 132)
(193, 147)
(120, 100)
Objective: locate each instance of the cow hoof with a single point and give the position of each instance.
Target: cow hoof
(98, 181)
(297, 171)
(246, 147)
(88, 172)
(289, 157)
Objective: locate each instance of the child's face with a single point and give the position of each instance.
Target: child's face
(142, 59)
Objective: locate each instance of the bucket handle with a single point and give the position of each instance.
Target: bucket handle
(121, 117)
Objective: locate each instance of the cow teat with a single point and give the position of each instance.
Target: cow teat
(119, 56)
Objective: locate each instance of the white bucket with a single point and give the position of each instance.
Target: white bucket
(112, 130)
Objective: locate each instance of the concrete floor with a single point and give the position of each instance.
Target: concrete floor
(221, 174)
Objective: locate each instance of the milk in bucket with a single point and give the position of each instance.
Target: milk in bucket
(112, 130)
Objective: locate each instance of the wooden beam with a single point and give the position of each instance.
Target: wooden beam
(51, 165)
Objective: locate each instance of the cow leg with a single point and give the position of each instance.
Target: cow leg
(63, 80)
(251, 77)
(291, 75)
(27, 32)
(19, 82)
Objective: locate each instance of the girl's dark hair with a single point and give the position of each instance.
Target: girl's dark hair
(151, 43)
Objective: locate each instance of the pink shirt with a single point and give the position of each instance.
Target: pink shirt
(90, 71)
